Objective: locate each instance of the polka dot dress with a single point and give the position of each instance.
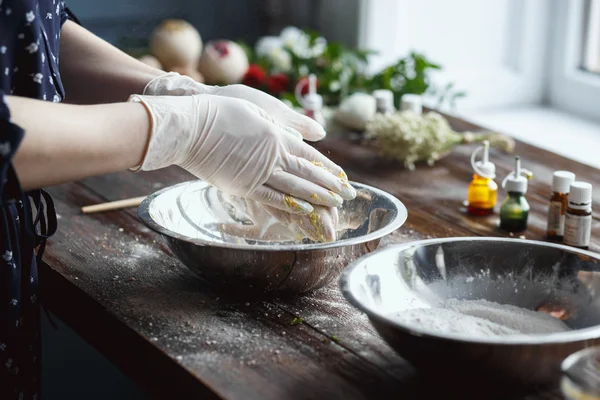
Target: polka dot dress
(29, 57)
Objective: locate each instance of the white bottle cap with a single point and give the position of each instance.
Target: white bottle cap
(580, 196)
(515, 181)
(483, 168)
(384, 99)
(561, 181)
(412, 102)
(312, 100)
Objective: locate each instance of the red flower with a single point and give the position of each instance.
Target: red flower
(222, 47)
(277, 83)
(304, 88)
(255, 76)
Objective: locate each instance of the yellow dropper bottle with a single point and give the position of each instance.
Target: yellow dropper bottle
(483, 191)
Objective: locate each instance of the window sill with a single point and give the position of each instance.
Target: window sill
(547, 128)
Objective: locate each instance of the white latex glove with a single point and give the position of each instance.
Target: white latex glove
(173, 84)
(269, 223)
(235, 146)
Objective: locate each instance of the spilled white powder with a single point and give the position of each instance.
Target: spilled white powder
(480, 318)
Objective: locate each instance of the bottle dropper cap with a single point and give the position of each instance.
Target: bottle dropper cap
(412, 102)
(580, 196)
(384, 99)
(483, 168)
(312, 100)
(516, 181)
(561, 181)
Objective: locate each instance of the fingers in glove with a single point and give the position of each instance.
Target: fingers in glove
(264, 114)
(319, 226)
(271, 197)
(284, 115)
(303, 189)
(319, 175)
(303, 150)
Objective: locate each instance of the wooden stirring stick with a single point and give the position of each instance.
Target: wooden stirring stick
(113, 205)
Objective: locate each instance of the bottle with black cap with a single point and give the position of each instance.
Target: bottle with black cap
(578, 219)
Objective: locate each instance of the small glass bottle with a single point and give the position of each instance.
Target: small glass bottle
(561, 181)
(578, 219)
(312, 102)
(411, 102)
(483, 191)
(514, 210)
(581, 375)
(384, 100)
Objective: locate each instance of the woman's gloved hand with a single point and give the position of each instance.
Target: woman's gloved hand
(238, 148)
(269, 223)
(173, 84)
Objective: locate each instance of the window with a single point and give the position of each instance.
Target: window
(573, 87)
(591, 51)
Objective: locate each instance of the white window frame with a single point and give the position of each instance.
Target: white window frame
(571, 88)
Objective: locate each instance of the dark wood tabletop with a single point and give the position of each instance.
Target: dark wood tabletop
(114, 282)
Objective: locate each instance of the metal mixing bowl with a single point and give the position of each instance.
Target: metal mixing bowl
(189, 216)
(523, 273)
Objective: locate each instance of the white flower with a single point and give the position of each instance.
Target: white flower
(48, 15)
(5, 151)
(6, 71)
(32, 48)
(3, 49)
(299, 42)
(7, 254)
(266, 44)
(281, 59)
(37, 78)
(271, 47)
(334, 86)
(56, 98)
(30, 16)
(292, 36)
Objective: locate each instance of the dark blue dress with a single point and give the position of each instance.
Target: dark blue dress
(29, 48)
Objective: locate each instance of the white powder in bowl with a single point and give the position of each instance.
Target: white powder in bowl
(480, 318)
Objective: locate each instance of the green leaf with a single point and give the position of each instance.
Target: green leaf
(297, 321)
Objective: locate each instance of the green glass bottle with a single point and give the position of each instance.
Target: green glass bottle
(514, 210)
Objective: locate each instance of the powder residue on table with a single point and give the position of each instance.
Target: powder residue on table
(480, 318)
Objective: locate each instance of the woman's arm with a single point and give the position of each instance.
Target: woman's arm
(93, 71)
(68, 142)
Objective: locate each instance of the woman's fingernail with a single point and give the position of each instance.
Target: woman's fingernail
(348, 192)
(338, 200)
(297, 205)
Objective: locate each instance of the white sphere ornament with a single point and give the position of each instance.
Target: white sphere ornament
(223, 63)
(151, 61)
(176, 43)
(356, 110)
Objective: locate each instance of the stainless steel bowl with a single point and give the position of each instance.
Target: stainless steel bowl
(523, 273)
(189, 216)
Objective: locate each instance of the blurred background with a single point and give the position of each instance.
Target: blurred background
(530, 69)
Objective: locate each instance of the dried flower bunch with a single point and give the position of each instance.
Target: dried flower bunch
(411, 138)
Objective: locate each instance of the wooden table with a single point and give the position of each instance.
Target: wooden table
(114, 282)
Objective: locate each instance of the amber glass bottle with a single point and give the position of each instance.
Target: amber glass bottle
(578, 219)
(561, 182)
(483, 191)
(482, 195)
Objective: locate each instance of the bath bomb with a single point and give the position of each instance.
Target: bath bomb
(176, 43)
(223, 62)
(151, 61)
(356, 110)
(191, 72)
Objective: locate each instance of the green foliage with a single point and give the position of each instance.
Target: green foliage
(341, 70)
